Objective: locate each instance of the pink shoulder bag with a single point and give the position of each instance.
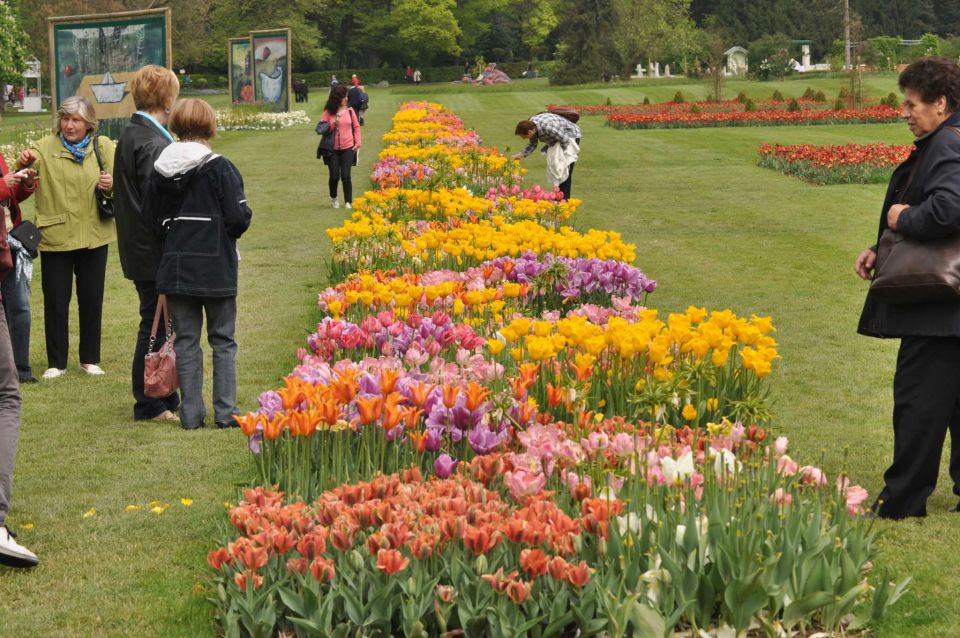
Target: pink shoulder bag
(160, 368)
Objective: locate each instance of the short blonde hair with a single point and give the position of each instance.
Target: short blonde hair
(77, 105)
(193, 119)
(154, 87)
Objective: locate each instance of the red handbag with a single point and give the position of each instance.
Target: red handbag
(160, 368)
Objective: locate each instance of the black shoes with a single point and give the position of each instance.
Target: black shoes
(223, 425)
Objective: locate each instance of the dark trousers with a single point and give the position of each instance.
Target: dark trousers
(340, 164)
(16, 304)
(58, 269)
(144, 406)
(926, 404)
(565, 185)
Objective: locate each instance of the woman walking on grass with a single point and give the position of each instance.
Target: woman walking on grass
(345, 129)
(196, 201)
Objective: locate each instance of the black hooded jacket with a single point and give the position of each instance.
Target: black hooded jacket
(196, 203)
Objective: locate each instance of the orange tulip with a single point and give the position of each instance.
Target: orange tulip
(248, 423)
(577, 576)
(518, 591)
(450, 394)
(533, 562)
(528, 372)
(418, 440)
(479, 540)
(329, 411)
(390, 561)
(476, 395)
(218, 558)
(369, 408)
(388, 379)
(271, 428)
(554, 395)
(519, 387)
(526, 411)
(322, 569)
(242, 579)
(557, 568)
(346, 386)
(420, 392)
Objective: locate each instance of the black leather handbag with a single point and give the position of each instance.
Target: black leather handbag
(28, 235)
(104, 201)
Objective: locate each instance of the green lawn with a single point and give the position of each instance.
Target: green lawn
(709, 225)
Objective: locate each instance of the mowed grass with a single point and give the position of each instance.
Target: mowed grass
(710, 226)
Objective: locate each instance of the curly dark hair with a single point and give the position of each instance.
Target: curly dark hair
(336, 96)
(933, 77)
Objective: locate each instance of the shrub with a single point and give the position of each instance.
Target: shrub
(891, 100)
(844, 93)
(793, 105)
(749, 105)
(809, 93)
(777, 96)
(609, 102)
(820, 97)
(839, 105)
(678, 97)
(742, 97)
(696, 109)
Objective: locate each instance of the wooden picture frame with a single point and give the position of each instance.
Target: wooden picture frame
(272, 67)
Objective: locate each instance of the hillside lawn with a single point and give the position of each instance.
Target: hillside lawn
(713, 228)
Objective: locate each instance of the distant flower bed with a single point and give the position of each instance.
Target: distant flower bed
(835, 164)
(243, 120)
(758, 117)
(735, 113)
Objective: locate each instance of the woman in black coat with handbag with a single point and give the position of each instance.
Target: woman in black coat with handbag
(922, 204)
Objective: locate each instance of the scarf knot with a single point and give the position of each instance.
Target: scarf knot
(77, 150)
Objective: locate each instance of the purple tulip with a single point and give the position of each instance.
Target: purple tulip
(444, 465)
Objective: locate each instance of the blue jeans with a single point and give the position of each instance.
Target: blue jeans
(221, 315)
(9, 418)
(16, 304)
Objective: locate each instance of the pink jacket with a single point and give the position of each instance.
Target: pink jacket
(346, 132)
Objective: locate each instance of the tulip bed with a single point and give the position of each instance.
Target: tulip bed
(734, 113)
(501, 438)
(835, 164)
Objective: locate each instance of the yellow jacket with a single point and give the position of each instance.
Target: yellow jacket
(67, 213)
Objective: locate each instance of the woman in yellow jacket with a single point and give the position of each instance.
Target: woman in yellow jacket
(73, 237)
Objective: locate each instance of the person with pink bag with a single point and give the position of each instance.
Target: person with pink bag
(195, 201)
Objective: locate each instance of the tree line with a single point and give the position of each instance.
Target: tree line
(588, 39)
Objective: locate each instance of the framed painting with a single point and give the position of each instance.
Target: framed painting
(272, 83)
(240, 72)
(96, 56)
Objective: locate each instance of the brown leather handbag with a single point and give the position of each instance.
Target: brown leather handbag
(160, 368)
(910, 271)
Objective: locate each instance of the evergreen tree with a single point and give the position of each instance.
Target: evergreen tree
(586, 35)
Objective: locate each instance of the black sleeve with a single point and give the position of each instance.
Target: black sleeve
(145, 158)
(938, 215)
(150, 207)
(233, 202)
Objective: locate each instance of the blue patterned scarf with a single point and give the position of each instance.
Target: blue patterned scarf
(77, 150)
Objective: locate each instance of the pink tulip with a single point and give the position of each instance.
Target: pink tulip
(787, 466)
(781, 497)
(780, 446)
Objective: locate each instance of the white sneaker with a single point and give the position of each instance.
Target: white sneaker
(349, 205)
(92, 369)
(53, 373)
(335, 202)
(12, 553)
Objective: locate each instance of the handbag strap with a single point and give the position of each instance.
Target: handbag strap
(161, 308)
(96, 151)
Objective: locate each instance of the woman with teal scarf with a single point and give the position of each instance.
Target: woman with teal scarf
(73, 237)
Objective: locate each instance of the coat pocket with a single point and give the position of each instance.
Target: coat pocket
(50, 220)
(194, 234)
